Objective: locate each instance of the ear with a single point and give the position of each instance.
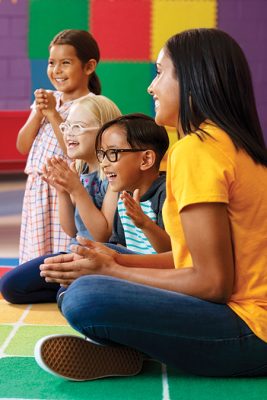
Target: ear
(148, 160)
(90, 66)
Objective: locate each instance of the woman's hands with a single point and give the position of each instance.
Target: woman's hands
(93, 259)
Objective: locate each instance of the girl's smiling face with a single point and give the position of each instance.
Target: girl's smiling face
(67, 73)
(81, 145)
(125, 173)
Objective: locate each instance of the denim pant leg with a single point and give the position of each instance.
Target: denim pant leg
(24, 285)
(119, 249)
(200, 337)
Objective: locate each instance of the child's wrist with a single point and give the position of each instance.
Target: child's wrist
(39, 116)
(147, 223)
(78, 190)
(53, 115)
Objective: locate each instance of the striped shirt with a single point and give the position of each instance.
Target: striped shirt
(134, 237)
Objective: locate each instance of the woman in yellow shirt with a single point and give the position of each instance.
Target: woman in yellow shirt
(203, 306)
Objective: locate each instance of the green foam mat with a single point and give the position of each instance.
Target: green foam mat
(189, 387)
(21, 377)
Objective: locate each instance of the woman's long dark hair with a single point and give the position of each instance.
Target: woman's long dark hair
(86, 48)
(216, 85)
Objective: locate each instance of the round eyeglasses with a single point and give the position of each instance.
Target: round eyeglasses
(112, 154)
(75, 129)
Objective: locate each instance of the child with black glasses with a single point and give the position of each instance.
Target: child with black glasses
(129, 150)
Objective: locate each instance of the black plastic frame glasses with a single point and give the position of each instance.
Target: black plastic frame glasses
(112, 154)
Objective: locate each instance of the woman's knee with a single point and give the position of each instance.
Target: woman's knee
(89, 298)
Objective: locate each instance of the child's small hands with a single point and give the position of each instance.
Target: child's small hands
(49, 176)
(133, 208)
(45, 101)
(64, 175)
(40, 99)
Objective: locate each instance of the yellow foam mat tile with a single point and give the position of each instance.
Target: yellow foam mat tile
(10, 313)
(172, 16)
(45, 314)
(40, 314)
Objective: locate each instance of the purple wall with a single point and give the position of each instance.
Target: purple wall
(15, 82)
(246, 21)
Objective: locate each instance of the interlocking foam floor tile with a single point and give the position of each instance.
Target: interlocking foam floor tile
(122, 28)
(10, 313)
(4, 332)
(126, 84)
(47, 18)
(22, 378)
(39, 76)
(173, 138)
(3, 270)
(45, 314)
(22, 344)
(9, 261)
(173, 16)
(189, 387)
(172, 135)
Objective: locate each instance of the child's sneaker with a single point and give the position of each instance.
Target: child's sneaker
(77, 359)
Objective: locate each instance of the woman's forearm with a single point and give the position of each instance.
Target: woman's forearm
(152, 261)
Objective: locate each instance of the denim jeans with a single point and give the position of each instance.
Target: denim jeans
(198, 336)
(23, 284)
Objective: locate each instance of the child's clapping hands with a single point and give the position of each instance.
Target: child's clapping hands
(62, 176)
(134, 210)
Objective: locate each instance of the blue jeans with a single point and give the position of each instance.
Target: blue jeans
(24, 285)
(197, 336)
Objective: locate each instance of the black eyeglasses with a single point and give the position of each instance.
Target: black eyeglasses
(112, 154)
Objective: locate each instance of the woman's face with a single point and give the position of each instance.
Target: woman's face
(165, 91)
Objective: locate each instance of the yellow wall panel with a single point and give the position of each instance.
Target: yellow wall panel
(173, 16)
(172, 133)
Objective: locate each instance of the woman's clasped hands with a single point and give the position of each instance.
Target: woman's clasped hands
(88, 258)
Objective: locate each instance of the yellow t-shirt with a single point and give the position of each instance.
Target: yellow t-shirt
(214, 171)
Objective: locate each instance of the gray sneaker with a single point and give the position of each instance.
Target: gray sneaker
(76, 359)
